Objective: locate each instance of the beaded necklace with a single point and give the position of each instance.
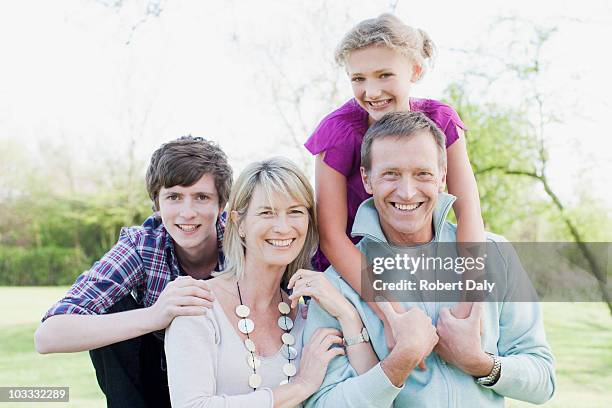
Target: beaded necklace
(246, 326)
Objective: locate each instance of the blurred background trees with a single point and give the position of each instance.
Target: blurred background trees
(65, 196)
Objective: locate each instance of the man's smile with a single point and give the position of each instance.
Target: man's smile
(407, 207)
(188, 227)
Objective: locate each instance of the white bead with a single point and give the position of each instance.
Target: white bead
(250, 345)
(253, 361)
(284, 308)
(246, 326)
(288, 339)
(289, 352)
(254, 380)
(285, 323)
(289, 369)
(243, 311)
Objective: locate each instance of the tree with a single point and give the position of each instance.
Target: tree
(530, 160)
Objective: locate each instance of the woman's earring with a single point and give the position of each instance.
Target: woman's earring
(241, 233)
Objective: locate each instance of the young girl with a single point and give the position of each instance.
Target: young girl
(383, 57)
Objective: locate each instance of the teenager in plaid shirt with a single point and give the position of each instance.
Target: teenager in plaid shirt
(153, 273)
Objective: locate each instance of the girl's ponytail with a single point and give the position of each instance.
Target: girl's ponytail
(429, 48)
(389, 31)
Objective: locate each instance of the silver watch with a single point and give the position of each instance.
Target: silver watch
(493, 375)
(362, 337)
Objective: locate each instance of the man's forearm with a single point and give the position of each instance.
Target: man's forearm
(372, 389)
(398, 365)
(289, 395)
(71, 332)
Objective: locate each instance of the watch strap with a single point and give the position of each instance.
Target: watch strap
(362, 337)
(493, 376)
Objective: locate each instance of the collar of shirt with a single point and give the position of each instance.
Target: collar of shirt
(367, 222)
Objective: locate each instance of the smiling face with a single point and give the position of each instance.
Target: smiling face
(274, 228)
(381, 78)
(405, 179)
(190, 214)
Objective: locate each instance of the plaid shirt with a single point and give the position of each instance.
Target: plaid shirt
(142, 262)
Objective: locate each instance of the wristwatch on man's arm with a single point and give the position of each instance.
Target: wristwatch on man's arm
(493, 376)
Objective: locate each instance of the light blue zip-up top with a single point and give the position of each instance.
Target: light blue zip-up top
(512, 330)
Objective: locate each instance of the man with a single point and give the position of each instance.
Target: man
(153, 273)
(403, 161)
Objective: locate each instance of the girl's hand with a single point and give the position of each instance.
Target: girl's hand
(316, 356)
(317, 286)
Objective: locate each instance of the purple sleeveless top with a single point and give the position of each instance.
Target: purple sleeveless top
(340, 135)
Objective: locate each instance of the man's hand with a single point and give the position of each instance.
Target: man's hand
(415, 338)
(459, 342)
(461, 310)
(184, 296)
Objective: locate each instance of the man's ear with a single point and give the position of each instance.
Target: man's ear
(365, 179)
(442, 185)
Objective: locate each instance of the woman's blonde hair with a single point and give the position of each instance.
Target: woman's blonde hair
(276, 175)
(388, 31)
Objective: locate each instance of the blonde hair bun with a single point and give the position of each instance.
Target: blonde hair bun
(389, 31)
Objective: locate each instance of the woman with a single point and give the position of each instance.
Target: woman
(247, 350)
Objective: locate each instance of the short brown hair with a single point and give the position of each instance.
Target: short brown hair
(182, 162)
(401, 124)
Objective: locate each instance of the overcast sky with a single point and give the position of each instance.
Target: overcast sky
(87, 76)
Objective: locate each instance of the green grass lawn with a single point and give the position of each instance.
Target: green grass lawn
(580, 335)
(20, 365)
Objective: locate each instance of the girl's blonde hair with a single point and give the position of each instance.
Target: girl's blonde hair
(389, 31)
(277, 175)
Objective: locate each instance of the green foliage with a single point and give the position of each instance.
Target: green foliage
(498, 139)
(49, 238)
(503, 150)
(90, 221)
(592, 219)
(40, 266)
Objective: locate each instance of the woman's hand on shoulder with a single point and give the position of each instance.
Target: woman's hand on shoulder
(316, 355)
(316, 285)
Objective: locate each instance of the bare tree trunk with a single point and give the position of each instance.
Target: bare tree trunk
(594, 268)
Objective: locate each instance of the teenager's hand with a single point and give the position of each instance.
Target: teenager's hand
(316, 356)
(317, 286)
(184, 296)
